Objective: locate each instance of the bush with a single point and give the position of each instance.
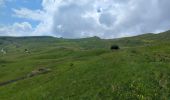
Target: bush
(114, 47)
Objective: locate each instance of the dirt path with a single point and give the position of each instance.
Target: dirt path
(32, 74)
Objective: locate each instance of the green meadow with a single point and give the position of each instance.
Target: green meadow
(86, 69)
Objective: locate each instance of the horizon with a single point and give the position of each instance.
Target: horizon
(80, 37)
(105, 19)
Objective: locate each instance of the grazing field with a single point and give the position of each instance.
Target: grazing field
(86, 69)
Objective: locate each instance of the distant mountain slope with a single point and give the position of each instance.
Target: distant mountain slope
(123, 41)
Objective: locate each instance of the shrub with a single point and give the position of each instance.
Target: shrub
(114, 47)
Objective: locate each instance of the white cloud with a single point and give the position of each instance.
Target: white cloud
(17, 29)
(2, 3)
(104, 18)
(27, 13)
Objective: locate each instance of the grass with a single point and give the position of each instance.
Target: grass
(85, 69)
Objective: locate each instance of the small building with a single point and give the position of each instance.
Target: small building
(3, 51)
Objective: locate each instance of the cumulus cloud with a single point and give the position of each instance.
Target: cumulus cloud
(103, 18)
(17, 29)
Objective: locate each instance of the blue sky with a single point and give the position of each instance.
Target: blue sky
(83, 18)
(6, 11)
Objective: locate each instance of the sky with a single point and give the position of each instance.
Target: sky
(83, 18)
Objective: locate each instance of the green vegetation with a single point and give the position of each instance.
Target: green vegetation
(86, 69)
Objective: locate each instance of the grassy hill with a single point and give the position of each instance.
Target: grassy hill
(86, 69)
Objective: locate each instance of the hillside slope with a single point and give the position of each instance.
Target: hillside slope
(86, 69)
